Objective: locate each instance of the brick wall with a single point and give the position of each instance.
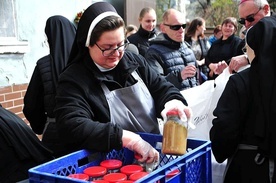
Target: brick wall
(11, 98)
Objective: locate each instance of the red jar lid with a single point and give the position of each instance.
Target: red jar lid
(130, 169)
(99, 181)
(95, 171)
(126, 181)
(172, 173)
(172, 112)
(115, 177)
(111, 164)
(80, 176)
(138, 175)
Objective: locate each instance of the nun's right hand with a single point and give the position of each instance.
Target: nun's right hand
(135, 143)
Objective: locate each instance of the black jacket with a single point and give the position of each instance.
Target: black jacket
(233, 117)
(141, 39)
(82, 110)
(39, 100)
(169, 58)
(20, 149)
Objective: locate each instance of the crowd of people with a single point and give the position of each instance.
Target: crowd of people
(86, 92)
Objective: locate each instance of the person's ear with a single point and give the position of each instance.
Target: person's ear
(266, 9)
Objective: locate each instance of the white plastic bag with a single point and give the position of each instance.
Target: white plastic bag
(199, 99)
(203, 100)
(220, 83)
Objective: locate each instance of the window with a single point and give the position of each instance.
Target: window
(9, 42)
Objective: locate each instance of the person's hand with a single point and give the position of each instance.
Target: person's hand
(184, 112)
(220, 67)
(188, 72)
(135, 143)
(237, 62)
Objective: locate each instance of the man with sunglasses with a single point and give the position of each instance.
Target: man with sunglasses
(170, 56)
(250, 12)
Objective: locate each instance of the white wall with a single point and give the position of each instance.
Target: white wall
(31, 18)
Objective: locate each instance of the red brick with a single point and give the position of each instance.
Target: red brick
(6, 89)
(20, 87)
(11, 96)
(7, 104)
(2, 97)
(18, 101)
(15, 109)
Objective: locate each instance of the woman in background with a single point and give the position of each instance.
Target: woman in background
(222, 50)
(199, 44)
(146, 31)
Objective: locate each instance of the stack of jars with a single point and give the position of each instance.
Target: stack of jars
(111, 171)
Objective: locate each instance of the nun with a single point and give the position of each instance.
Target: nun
(244, 126)
(107, 94)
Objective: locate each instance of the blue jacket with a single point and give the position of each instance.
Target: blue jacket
(169, 58)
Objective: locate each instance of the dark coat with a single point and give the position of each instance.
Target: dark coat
(224, 50)
(234, 124)
(39, 100)
(245, 113)
(141, 39)
(82, 110)
(231, 117)
(20, 149)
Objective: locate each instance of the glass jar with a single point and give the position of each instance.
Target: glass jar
(95, 172)
(115, 177)
(130, 169)
(112, 165)
(174, 135)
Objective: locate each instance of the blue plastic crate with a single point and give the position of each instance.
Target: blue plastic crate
(194, 166)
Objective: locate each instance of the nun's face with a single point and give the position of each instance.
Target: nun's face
(108, 51)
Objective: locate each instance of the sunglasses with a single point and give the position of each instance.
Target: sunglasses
(176, 27)
(249, 18)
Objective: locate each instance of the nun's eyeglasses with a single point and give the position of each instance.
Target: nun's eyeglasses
(249, 18)
(109, 52)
